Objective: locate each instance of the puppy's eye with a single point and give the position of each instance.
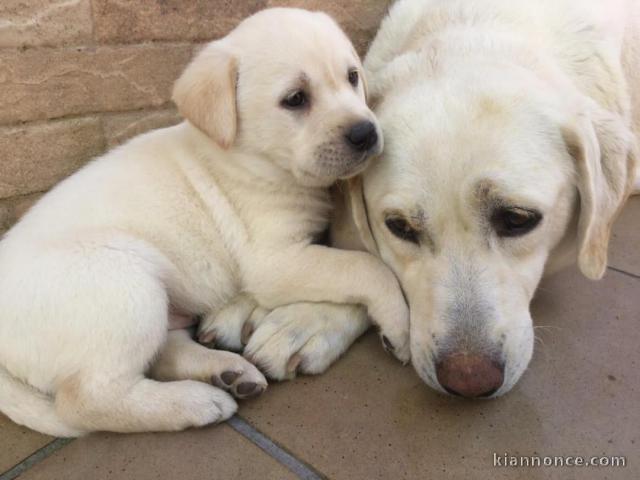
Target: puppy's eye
(514, 221)
(354, 77)
(295, 100)
(402, 229)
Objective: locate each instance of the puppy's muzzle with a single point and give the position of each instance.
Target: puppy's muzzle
(362, 136)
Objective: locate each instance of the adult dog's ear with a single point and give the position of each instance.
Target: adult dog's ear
(358, 209)
(605, 154)
(365, 87)
(205, 93)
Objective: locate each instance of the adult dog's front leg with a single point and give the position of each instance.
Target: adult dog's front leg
(321, 274)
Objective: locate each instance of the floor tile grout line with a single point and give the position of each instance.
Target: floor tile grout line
(35, 458)
(300, 468)
(623, 272)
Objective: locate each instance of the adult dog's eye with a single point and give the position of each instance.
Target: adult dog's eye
(514, 221)
(354, 77)
(402, 229)
(295, 100)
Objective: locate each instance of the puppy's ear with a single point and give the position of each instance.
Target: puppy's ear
(358, 210)
(605, 154)
(205, 93)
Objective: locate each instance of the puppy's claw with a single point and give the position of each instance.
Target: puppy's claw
(293, 364)
(207, 338)
(388, 346)
(247, 331)
(403, 354)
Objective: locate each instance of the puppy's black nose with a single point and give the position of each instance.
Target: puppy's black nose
(362, 136)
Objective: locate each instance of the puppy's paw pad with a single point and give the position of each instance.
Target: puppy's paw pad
(248, 389)
(229, 377)
(243, 382)
(226, 379)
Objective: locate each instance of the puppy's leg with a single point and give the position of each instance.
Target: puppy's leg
(304, 337)
(182, 359)
(636, 185)
(321, 274)
(136, 404)
(114, 312)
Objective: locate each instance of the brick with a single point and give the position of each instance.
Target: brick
(35, 157)
(124, 21)
(359, 18)
(120, 127)
(45, 22)
(11, 209)
(50, 83)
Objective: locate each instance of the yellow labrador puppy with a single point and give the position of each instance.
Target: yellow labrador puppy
(509, 150)
(179, 221)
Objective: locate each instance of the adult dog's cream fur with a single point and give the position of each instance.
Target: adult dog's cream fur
(485, 105)
(184, 219)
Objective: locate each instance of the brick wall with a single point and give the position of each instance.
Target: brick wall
(80, 76)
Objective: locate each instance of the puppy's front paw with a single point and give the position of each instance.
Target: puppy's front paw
(304, 337)
(400, 348)
(394, 332)
(227, 327)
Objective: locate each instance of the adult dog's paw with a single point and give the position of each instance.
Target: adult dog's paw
(303, 337)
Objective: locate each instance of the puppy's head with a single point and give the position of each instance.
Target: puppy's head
(288, 85)
(472, 200)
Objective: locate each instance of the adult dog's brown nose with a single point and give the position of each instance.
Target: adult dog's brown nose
(470, 375)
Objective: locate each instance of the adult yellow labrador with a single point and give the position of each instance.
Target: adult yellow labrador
(510, 131)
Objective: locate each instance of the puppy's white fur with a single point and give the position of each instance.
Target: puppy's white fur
(185, 219)
(530, 101)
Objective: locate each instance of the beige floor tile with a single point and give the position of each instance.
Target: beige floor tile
(370, 418)
(625, 242)
(213, 453)
(17, 443)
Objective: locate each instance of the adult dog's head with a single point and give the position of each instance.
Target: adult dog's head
(285, 85)
(488, 178)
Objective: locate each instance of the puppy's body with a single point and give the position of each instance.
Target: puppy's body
(178, 222)
(158, 199)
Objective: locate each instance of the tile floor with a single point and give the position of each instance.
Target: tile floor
(370, 418)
